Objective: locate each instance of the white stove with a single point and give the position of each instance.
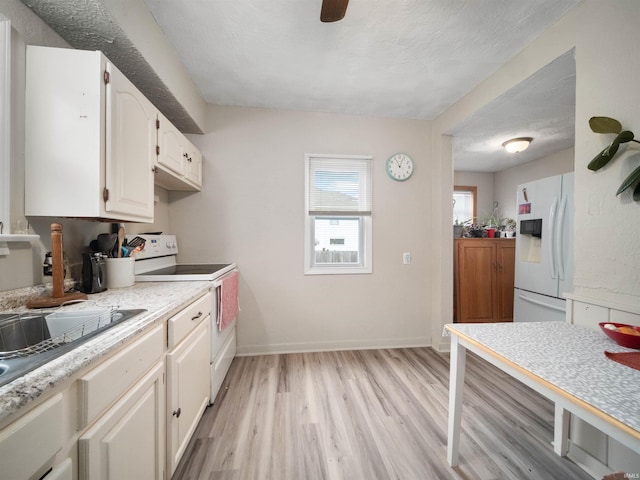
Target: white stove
(157, 262)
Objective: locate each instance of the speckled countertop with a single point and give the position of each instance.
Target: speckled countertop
(568, 356)
(159, 299)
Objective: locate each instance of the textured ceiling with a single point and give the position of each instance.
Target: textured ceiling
(541, 107)
(397, 58)
(403, 58)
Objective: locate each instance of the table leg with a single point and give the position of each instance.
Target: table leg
(456, 384)
(561, 431)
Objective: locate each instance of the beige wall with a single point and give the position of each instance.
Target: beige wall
(251, 211)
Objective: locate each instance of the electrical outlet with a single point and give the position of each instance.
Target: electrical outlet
(406, 258)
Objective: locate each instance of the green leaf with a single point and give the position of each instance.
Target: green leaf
(603, 157)
(630, 180)
(624, 137)
(636, 193)
(605, 125)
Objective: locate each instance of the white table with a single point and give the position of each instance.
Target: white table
(561, 361)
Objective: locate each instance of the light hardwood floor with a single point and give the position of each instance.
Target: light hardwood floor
(374, 414)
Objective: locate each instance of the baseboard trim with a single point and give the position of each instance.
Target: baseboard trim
(251, 350)
(587, 462)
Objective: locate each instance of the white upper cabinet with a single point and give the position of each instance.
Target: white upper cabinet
(193, 158)
(90, 139)
(179, 163)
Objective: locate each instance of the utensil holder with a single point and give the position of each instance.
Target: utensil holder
(120, 272)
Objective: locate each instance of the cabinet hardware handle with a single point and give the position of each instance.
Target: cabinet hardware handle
(197, 316)
(154, 169)
(500, 267)
(495, 266)
(176, 413)
(185, 155)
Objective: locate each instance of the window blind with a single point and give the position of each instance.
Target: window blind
(339, 186)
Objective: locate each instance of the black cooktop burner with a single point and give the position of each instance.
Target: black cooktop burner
(190, 269)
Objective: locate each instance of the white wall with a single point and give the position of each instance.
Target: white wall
(251, 211)
(607, 256)
(507, 181)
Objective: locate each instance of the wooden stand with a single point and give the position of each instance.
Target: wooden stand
(58, 296)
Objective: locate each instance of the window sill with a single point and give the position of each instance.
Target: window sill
(338, 270)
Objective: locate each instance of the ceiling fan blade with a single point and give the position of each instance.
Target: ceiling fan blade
(333, 10)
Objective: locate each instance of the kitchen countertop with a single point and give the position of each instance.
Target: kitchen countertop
(160, 299)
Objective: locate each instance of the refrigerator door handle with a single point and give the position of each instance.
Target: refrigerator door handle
(552, 236)
(560, 237)
(542, 304)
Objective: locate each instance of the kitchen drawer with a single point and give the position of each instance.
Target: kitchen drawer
(30, 443)
(106, 383)
(181, 324)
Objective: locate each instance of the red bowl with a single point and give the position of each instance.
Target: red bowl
(621, 338)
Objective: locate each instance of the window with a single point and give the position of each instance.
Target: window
(464, 203)
(337, 214)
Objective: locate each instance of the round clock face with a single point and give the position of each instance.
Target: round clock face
(400, 167)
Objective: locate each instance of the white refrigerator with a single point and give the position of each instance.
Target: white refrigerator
(544, 249)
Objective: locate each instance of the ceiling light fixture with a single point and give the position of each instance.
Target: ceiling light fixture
(517, 145)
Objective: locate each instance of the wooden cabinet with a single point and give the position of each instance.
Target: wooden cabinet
(188, 363)
(178, 162)
(484, 279)
(90, 139)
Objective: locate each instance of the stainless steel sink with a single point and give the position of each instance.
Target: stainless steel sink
(29, 340)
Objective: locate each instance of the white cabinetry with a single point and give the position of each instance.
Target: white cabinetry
(28, 445)
(193, 157)
(187, 376)
(127, 440)
(179, 163)
(90, 138)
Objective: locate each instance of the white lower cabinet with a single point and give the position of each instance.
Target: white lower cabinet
(127, 441)
(187, 390)
(28, 445)
(129, 416)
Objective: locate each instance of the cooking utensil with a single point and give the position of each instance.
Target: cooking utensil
(120, 240)
(103, 243)
(136, 241)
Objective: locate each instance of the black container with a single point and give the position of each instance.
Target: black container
(94, 275)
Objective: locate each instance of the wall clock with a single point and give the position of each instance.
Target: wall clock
(399, 167)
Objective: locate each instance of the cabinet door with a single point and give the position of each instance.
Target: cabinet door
(187, 390)
(130, 148)
(170, 146)
(506, 255)
(476, 281)
(128, 440)
(194, 164)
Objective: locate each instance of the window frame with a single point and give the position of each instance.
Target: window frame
(365, 264)
(474, 193)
